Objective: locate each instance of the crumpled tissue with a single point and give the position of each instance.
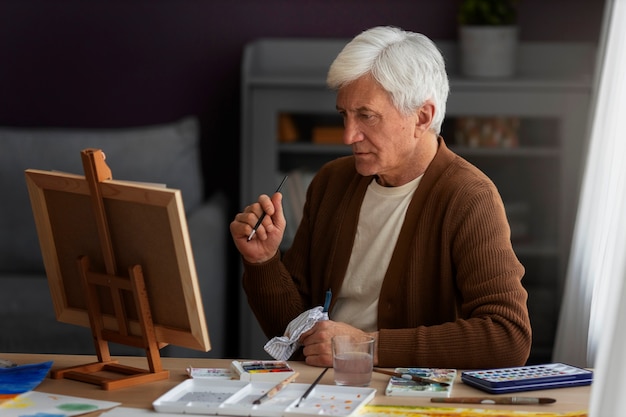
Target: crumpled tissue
(282, 347)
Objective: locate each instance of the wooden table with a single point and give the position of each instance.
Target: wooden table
(142, 396)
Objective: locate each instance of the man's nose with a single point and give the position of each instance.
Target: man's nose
(351, 132)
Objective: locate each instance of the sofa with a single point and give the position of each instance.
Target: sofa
(166, 154)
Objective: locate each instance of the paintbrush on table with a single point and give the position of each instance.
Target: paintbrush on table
(272, 392)
(494, 400)
(411, 377)
(313, 385)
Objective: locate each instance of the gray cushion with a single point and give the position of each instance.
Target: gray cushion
(167, 154)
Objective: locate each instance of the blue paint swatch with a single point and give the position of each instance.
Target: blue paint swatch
(23, 378)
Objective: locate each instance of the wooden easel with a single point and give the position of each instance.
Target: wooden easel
(107, 373)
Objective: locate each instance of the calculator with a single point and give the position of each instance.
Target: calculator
(527, 378)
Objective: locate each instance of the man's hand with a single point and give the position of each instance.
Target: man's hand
(317, 341)
(266, 241)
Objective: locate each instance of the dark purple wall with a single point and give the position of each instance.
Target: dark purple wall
(100, 63)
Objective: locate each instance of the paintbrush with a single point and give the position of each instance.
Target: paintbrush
(494, 400)
(313, 385)
(258, 223)
(410, 377)
(269, 394)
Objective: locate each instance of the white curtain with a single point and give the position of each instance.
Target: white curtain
(592, 324)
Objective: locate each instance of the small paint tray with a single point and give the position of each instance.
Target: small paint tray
(332, 400)
(235, 398)
(203, 396)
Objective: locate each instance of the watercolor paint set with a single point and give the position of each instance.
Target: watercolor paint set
(527, 378)
(263, 370)
(237, 398)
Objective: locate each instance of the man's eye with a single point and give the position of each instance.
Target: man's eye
(368, 118)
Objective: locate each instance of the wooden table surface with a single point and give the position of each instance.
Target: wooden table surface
(141, 396)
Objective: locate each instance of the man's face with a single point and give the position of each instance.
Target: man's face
(383, 140)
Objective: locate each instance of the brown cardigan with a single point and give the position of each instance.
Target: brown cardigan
(452, 296)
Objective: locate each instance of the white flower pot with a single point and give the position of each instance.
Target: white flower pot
(488, 51)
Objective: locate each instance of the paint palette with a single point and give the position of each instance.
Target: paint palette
(527, 378)
(236, 398)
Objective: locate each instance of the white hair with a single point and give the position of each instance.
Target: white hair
(408, 65)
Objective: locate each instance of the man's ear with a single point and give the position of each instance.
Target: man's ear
(424, 120)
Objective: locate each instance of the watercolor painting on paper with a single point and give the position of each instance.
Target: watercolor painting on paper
(41, 404)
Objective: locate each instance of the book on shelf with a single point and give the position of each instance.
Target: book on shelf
(487, 132)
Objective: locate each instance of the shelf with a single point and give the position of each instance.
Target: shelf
(340, 150)
(517, 152)
(296, 62)
(312, 148)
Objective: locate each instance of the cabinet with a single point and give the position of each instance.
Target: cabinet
(538, 174)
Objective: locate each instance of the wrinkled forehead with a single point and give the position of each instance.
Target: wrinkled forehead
(364, 92)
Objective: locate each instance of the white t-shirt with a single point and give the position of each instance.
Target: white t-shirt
(380, 220)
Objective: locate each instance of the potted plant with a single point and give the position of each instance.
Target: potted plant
(488, 37)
